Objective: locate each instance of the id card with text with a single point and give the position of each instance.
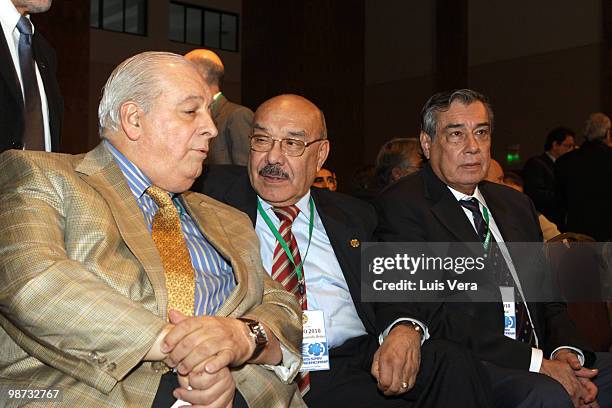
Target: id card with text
(507, 293)
(315, 352)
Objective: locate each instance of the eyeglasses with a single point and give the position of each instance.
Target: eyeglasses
(289, 147)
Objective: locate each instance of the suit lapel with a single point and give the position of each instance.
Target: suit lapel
(242, 196)
(548, 164)
(99, 170)
(205, 216)
(508, 227)
(446, 208)
(338, 228)
(8, 71)
(54, 101)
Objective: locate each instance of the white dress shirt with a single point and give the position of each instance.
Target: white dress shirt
(536, 354)
(9, 16)
(326, 287)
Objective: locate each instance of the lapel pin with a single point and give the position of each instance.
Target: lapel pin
(355, 243)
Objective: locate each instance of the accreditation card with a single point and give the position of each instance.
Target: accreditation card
(507, 294)
(315, 353)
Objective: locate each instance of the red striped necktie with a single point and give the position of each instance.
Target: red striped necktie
(284, 271)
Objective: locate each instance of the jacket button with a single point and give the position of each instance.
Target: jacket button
(93, 356)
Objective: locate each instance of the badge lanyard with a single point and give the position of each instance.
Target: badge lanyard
(487, 241)
(283, 243)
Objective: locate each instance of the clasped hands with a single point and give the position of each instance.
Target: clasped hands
(396, 362)
(576, 379)
(202, 350)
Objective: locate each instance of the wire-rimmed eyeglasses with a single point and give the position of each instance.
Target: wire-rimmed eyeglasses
(289, 146)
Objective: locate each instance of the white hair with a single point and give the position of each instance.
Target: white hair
(597, 126)
(136, 79)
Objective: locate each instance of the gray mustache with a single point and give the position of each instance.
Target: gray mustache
(273, 170)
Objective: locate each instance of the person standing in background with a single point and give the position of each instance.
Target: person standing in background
(31, 105)
(582, 180)
(539, 172)
(232, 120)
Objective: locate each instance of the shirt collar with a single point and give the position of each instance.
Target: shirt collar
(137, 181)
(461, 196)
(553, 158)
(302, 205)
(9, 16)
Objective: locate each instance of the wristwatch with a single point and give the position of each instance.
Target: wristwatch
(417, 328)
(258, 333)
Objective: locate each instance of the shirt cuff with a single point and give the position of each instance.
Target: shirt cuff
(537, 356)
(381, 336)
(288, 368)
(578, 352)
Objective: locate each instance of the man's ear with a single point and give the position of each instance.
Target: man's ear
(130, 116)
(425, 144)
(322, 153)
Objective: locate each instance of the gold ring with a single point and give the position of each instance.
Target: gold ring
(404, 385)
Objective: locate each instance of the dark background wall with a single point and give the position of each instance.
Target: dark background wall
(371, 64)
(67, 28)
(538, 62)
(315, 49)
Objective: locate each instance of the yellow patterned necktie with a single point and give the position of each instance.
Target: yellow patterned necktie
(170, 243)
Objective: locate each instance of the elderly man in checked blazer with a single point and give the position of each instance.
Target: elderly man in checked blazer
(88, 294)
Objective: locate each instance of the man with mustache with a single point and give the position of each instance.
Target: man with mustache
(113, 274)
(376, 358)
(543, 364)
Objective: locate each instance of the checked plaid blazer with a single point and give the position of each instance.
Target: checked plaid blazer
(82, 289)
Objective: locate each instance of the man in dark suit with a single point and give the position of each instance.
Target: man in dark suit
(539, 172)
(369, 343)
(584, 185)
(31, 105)
(542, 363)
(233, 121)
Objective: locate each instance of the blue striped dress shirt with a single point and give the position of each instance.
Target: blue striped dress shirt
(214, 277)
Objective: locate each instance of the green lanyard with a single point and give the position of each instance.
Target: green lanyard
(281, 240)
(487, 241)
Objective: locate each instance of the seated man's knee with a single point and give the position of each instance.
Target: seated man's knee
(545, 392)
(451, 354)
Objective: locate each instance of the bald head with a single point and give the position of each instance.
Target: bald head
(495, 173)
(280, 175)
(209, 65)
(293, 106)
